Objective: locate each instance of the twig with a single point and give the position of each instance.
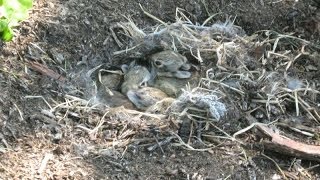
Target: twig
(41, 97)
(152, 16)
(47, 157)
(276, 164)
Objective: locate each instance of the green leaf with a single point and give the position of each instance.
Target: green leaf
(16, 10)
(7, 34)
(3, 25)
(26, 3)
(12, 12)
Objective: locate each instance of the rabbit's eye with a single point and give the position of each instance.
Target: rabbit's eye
(158, 63)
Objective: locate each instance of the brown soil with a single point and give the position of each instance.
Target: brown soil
(34, 146)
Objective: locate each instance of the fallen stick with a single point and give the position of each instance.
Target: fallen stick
(288, 146)
(44, 70)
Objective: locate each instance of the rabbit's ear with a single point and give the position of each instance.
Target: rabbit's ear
(185, 67)
(153, 76)
(182, 74)
(134, 97)
(124, 68)
(132, 64)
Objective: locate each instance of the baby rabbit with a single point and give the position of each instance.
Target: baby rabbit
(170, 64)
(113, 99)
(107, 83)
(161, 107)
(135, 76)
(173, 86)
(111, 80)
(145, 97)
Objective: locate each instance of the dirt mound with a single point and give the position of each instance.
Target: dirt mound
(257, 60)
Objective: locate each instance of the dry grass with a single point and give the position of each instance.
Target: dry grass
(232, 77)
